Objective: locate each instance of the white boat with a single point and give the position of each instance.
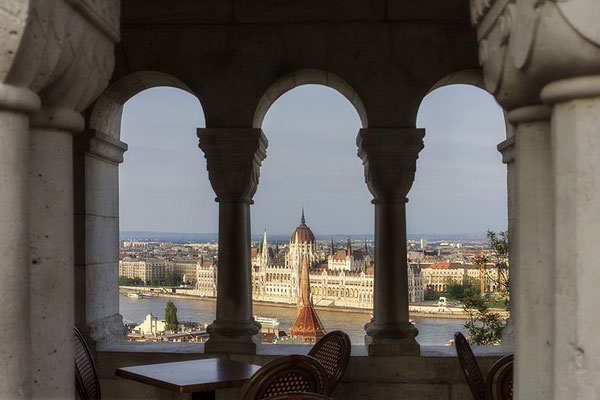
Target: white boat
(136, 295)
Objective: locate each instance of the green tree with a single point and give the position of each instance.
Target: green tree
(499, 243)
(169, 280)
(485, 327)
(456, 290)
(171, 322)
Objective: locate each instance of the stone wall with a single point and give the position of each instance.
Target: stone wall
(436, 374)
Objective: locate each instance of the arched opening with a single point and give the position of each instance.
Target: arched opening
(160, 194)
(312, 164)
(459, 193)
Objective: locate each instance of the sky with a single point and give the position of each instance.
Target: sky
(459, 187)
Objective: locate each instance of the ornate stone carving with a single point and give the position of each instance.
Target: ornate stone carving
(389, 156)
(524, 45)
(62, 50)
(233, 159)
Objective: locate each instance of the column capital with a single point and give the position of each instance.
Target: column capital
(389, 156)
(524, 45)
(233, 159)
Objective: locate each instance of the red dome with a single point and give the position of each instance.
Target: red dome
(302, 233)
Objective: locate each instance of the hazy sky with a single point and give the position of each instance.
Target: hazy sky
(460, 185)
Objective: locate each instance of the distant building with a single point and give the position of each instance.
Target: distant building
(147, 270)
(435, 276)
(343, 279)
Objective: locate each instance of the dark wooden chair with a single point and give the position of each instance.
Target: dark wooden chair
(86, 377)
(333, 352)
(499, 381)
(470, 368)
(299, 396)
(289, 374)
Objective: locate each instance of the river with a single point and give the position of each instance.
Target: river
(432, 331)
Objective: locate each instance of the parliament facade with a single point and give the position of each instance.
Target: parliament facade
(344, 278)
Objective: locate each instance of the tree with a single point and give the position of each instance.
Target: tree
(485, 327)
(499, 243)
(171, 322)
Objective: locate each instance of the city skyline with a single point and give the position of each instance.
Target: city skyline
(311, 159)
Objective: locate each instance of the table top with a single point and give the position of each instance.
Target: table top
(192, 376)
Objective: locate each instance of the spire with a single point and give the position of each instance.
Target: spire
(366, 248)
(302, 219)
(265, 248)
(276, 246)
(304, 298)
(332, 251)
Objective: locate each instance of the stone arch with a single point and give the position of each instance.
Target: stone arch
(307, 77)
(107, 111)
(97, 155)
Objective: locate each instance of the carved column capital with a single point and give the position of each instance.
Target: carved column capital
(523, 45)
(233, 159)
(389, 156)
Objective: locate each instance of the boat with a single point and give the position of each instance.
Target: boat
(137, 295)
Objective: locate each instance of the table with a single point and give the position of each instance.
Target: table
(199, 377)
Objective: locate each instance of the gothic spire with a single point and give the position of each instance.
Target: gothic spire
(302, 219)
(304, 298)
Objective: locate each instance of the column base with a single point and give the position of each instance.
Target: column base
(396, 340)
(228, 338)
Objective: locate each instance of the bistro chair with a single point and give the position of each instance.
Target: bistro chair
(333, 352)
(470, 368)
(499, 381)
(289, 374)
(86, 377)
(299, 396)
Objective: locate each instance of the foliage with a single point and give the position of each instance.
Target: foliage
(125, 281)
(169, 280)
(499, 243)
(485, 327)
(456, 290)
(171, 322)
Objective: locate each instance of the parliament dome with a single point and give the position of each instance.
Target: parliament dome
(302, 233)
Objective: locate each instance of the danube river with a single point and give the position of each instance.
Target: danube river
(432, 331)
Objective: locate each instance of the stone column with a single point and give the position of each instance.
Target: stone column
(507, 148)
(96, 160)
(534, 277)
(51, 230)
(576, 172)
(389, 157)
(233, 157)
(15, 103)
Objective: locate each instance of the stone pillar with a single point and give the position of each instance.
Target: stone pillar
(389, 157)
(534, 277)
(51, 230)
(233, 157)
(507, 148)
(96, 161)
(576, 172)
(15, 103)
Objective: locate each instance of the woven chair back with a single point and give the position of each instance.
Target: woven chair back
(470, 368)
(498, 383)
(333, 352)
(86, 377)
(289, 374)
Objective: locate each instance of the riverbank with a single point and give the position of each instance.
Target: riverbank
(421, 310)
